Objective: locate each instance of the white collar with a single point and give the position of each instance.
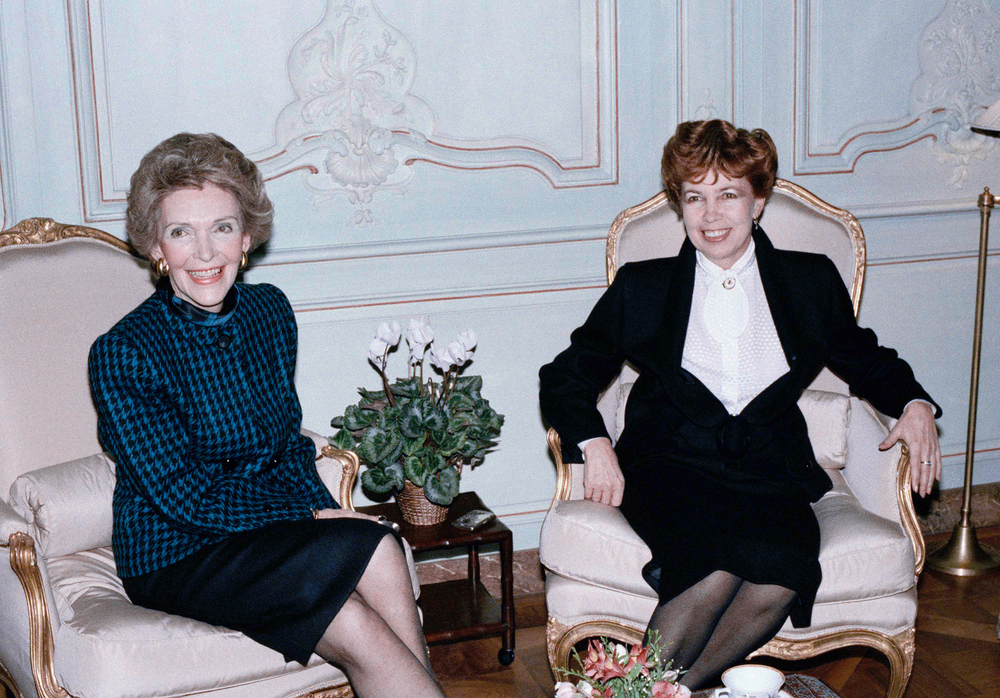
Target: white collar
(714, 271)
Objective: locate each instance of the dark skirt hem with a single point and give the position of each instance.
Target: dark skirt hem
(281, 585)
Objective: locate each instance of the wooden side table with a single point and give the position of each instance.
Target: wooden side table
(462, 609)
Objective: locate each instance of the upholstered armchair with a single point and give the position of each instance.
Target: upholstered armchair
(871, 548)
(67, 627)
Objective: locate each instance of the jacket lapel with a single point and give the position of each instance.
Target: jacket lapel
(684, 390)
(785, 390)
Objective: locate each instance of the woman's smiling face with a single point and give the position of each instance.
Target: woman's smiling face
(718, 215)
(201, 239)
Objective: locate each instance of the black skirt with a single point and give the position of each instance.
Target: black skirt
(281, 584)
(695, 525)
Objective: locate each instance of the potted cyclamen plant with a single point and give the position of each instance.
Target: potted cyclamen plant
(415, 435)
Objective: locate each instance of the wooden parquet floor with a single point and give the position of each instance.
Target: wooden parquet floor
(957, 655)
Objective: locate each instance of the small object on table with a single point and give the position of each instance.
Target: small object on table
(463, 609)
(796, 686)
(474, 519)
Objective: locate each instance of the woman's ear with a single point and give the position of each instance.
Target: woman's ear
(246, 242)
(758, 207)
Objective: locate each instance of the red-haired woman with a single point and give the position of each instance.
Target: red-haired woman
(714, 469)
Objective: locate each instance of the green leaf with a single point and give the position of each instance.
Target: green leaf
(412, 446)
(337, 422)
(372, 395)
(435, 418)
(450, 444)
(470, 385)
(356, 418)
(342, 439)
(376, 480)
(459, 402)
(394, 471)
(442, 487)
(415, 470)
(377, 445)
(406, 387)
(411, 421)
(433, 460)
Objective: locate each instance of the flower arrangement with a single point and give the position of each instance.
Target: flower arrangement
(611, 671)
(419, 430)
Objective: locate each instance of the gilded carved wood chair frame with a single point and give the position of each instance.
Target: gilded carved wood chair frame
(897, 648)
(21, 547)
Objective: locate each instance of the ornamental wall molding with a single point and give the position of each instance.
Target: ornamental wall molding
(355, 129)
(960, 74)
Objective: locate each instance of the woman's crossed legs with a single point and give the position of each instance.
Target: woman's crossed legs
(717, 622)
(376, 636)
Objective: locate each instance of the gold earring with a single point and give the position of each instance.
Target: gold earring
(244, 261)
(161, 266)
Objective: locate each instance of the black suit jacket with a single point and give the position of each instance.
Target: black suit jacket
(642, 318)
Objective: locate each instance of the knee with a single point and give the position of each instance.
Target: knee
(344, 640)
(773, 599)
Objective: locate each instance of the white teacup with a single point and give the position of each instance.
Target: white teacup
(751, 681)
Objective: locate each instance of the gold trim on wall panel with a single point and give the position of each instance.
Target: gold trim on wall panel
(943, 102)
(343, 150)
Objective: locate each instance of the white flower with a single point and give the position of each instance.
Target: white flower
(467, 339)
(458, 353)
(389, 333)
(419, 334)
(442, 359)
(564, 689)
(621, 654)
(376, 352)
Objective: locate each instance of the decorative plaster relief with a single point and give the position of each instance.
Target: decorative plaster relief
(960, 74)
(355, 125)
(960, 70)
(358, 128)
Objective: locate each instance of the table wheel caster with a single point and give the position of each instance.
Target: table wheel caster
(505, 657)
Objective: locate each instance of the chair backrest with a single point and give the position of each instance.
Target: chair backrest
(60, 288)
(794, 219)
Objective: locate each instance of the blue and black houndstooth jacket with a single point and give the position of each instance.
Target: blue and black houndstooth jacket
(203, 424)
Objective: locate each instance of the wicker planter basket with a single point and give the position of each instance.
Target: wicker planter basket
(417, 509)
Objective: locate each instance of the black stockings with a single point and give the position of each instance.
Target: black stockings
(718, 622)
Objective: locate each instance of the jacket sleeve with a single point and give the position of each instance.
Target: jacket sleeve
(873, 372)
(571, 384)
(288, 473)
(145, 435)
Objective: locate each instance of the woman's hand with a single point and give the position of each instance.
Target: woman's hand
(602, 477)
(917, 429)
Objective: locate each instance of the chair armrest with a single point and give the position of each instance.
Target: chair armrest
(881, 479)
(338, 468)
(28, 613)
(569, 476)
(11, 522)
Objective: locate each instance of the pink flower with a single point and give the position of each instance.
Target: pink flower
(665, 689)
(599, 666)
(639, 654)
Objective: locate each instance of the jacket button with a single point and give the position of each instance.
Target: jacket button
(223, 341)
(268, 509)
(809, 465)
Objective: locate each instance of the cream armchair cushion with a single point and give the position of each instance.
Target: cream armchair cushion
(106, 645)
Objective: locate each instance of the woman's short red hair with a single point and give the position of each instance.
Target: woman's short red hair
(700, 147)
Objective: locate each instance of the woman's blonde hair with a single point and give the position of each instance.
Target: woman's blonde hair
(190, 160)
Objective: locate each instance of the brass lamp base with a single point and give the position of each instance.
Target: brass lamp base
(962, 555)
